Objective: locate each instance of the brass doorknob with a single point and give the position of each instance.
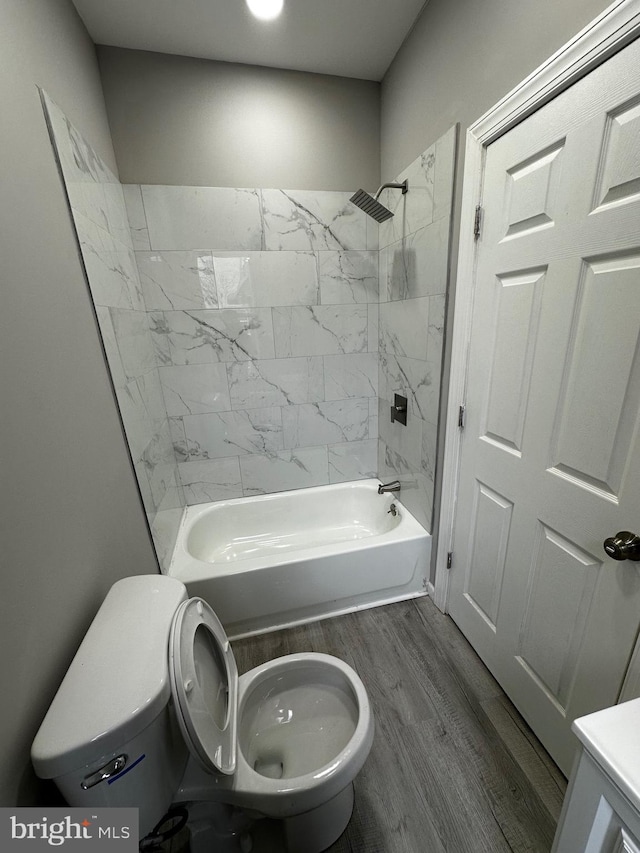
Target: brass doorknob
(623, 546)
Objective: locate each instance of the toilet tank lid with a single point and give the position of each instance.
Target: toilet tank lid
(118, 681)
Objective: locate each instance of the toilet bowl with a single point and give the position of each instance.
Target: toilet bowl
(152, 712)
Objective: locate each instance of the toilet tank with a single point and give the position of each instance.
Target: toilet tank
(110, 736)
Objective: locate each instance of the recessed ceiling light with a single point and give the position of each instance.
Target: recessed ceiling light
(266, 10)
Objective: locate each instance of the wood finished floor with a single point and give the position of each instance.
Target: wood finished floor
(453, 766)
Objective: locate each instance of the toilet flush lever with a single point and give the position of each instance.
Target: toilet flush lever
(111, 768)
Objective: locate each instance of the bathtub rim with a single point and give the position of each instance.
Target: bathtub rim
(186, 567)
(362, 563)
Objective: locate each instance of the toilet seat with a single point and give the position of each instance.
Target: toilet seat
(204, 685)
(214, 708)
(154, 658)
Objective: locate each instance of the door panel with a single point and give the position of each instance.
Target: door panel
(550, 460)
(619, 180)
(593, 442)
(516, 317)
(560, 593)
(532, 192)
(491, 526)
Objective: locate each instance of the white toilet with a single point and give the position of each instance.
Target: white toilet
(152, 712)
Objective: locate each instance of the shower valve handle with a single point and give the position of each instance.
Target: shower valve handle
(399, 409)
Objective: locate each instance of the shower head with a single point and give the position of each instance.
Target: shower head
(372, 206)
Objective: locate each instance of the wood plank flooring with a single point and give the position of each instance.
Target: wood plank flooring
(454, 768)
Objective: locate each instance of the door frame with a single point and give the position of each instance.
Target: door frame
(612, 30)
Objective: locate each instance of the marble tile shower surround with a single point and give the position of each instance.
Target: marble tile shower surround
(100, 217)
(263, 306)
(242, 330)
(413, 267)
(268, 308)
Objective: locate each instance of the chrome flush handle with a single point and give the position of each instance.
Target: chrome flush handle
(111, 768)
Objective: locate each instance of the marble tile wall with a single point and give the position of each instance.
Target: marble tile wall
(413, 263)
(256, 337)
(100, 217)
(263, 309)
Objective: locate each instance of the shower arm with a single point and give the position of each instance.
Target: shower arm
(404, 186)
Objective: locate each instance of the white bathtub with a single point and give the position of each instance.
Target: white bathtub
(277, 560)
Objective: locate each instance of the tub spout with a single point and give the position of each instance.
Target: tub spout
(389, 487)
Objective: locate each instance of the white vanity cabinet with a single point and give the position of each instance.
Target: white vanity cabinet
(601, 812)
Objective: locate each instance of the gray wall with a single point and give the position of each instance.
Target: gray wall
(193, 122)
(71, 519)
(460, 59)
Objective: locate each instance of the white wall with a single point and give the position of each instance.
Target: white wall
(70, 518)
(194, 122)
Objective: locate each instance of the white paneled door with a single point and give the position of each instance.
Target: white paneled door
(550, 461)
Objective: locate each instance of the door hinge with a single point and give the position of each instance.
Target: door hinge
(461, 413)
(449, 559)
(477, 222)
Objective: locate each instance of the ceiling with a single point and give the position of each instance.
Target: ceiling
(348, 38)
